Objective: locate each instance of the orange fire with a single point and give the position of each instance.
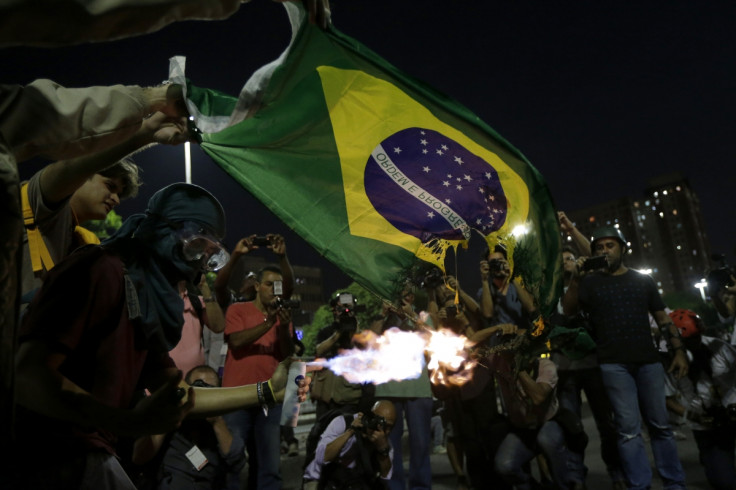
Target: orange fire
(449, 361)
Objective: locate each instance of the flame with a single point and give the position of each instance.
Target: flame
(398, 355)
(394, 356)
(449, 362)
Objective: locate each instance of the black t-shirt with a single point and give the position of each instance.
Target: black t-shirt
(618, 308)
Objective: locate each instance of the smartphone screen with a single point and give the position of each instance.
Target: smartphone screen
(278, 288)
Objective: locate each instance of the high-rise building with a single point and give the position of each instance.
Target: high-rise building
(664, 229)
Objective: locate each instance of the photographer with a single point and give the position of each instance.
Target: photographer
(246, 290)
(618, 302)
(357, 455)
(503, 300)
(259, 335)
(196, 455)
(328, 389)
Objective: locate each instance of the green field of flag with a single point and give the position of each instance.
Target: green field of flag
(376, 170)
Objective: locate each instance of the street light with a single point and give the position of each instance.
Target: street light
(188, 162)
(702, 285)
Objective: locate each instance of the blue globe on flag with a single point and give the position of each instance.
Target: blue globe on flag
(429, 186)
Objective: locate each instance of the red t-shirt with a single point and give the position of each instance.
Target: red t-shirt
(254, 362)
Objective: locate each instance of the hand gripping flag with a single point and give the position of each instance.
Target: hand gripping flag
(376, 170)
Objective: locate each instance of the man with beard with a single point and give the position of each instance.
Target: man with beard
(618, 301)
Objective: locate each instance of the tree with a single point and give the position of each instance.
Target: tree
(103, 228)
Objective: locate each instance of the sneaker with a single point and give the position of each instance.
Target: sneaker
(439, 450)
(293, 449)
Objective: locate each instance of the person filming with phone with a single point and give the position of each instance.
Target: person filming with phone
(618, 301)
(259, 335)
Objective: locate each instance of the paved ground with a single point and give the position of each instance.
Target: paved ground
(443, 478)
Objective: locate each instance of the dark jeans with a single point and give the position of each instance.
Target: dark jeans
(636, 391)
(569, 387)
(481, 432)
(716, 449)
(262, 436)
(418, 413)
(520, 447)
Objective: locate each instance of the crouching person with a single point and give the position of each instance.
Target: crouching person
(538, 426)
(354, 451)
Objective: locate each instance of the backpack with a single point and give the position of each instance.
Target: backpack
(319, 427)
(359, 478)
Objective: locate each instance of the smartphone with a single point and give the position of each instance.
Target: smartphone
(594, 263)
(278, 288)
(261, 241)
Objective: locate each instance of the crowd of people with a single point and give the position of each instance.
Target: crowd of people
(123, 367)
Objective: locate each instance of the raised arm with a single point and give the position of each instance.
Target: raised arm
(278, 246)
(582, 243)
(60, 179)
(213, 315)
(222, 293)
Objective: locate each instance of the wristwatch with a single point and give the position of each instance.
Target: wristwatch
(385, 451)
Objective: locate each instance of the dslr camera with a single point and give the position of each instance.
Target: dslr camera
(495, 266)
(371, 421)
(278, 291)
(287, 303)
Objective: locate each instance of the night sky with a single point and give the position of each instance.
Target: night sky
(599, 96)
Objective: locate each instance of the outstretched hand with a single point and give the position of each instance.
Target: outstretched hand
(280, 378)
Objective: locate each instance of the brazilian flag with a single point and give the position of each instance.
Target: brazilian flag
(376, 170)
